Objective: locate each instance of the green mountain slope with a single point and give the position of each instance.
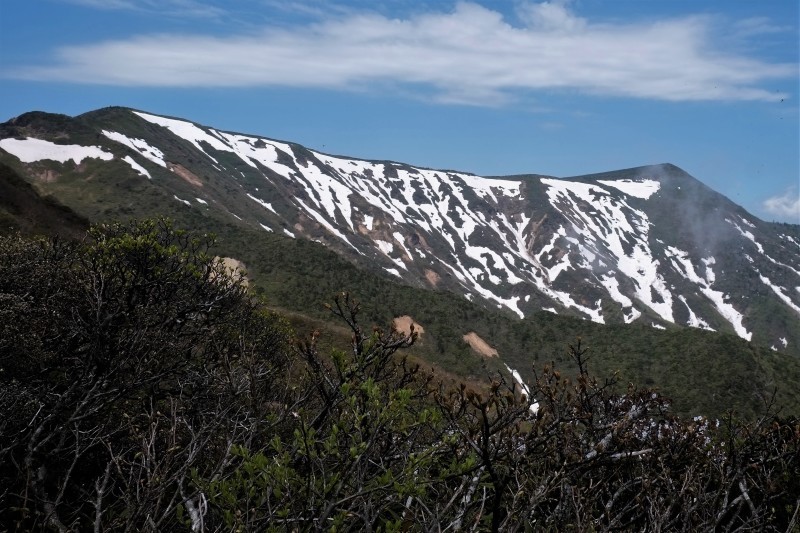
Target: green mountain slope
(23, 209)
(704, 372)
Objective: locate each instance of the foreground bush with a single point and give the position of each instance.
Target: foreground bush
(126, 363)
(142, 389)
(378, 446)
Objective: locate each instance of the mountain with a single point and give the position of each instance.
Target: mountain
(23, 209)
(648, 247)
(649, 244)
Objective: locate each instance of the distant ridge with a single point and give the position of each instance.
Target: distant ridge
(671, 283)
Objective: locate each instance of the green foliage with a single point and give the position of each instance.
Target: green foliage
(125, 362)
(350, 446)
(705, 373)
(142, 388)
(381, 454)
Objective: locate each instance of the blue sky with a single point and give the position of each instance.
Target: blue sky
(491, 87)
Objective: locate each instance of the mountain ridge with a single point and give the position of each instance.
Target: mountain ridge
(527, 242)
(270, 200)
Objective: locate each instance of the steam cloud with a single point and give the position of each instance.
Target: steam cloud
(785, 205)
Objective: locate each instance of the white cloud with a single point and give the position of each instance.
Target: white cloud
(757, 26)
(183, 8)
(786, 205)
(469, 55)
(550, 16)
(103, 4)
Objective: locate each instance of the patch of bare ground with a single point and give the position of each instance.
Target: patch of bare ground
(432, 277)
(188, 176)
(47, 176)
(403, 325)
(479, 345)
(234, 266)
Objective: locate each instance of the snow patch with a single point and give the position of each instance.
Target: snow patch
(790, 239)
(187, 131)
(746, 234)
(695, 321)
(327, 225)
(264, 204)
(518, 378)
(187, 202)
(641, 188)
(402, 242)
(137, 167)
(779, 291)
(684, 267)
(612, 286)
(384, 246)
(623, 232)
(29, 150)
(139, 145)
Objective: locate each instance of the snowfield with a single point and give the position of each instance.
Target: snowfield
(30, 150)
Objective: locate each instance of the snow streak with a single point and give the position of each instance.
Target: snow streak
(480, 231)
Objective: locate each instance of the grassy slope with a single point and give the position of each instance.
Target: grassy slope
(23, 209)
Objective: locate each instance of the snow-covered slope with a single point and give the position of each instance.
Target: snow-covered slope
(649, 245)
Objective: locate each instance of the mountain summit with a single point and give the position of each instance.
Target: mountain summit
(649, 245)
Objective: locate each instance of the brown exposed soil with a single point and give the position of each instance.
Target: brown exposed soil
(432, 277)
(234, 266)
(403, 325)
(362, 227)
(479, 345)
(188, 176)
(47, 176)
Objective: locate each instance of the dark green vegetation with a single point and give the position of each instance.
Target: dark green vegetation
(143, 388)
(23, 209)
(703, 373)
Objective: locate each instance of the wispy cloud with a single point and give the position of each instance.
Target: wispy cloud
(191, 8)
(471, 54)
(757, 26)
(785, 205)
